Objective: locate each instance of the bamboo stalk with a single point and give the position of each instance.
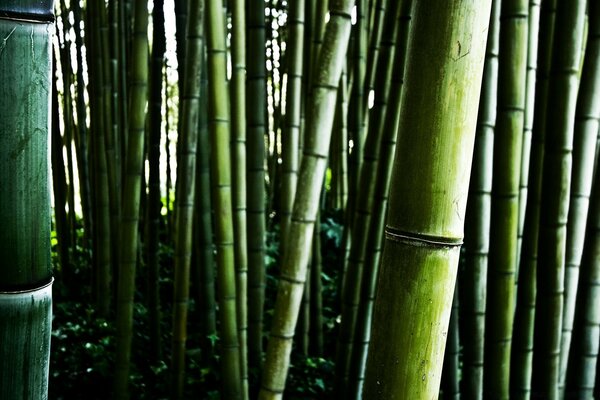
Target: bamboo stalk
(556, 182)
(312, 171)
(425, 221)
(26, 274)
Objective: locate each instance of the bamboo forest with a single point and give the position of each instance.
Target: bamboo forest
(299, 199)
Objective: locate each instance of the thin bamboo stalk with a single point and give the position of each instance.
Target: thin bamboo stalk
(310, 183)
(584, 149)
(522, 348)
(255, 153)
(130, 213)
(477, 224)
(240, 226)
(219, 127)
(508, 136)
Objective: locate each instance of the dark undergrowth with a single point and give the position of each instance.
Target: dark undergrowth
(83, 343)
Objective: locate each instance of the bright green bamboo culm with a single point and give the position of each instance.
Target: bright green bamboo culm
(424, 232)
(219, 127)
(25, 273)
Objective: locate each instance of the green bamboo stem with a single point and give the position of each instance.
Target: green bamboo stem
(425, 222)
(582, 367)
(522, 347)
(59, 181)
(255, 148)
(205, 247)
(364, 201)
(316, 283)
(508, 135)
(219, 127)
(111, 138)
(584, 148)
(379, 9)
(556, 182)
(306, 202)
(26, 274)
(291, 135)
(356, 125)
(102, 234)
(185, 189)
(532, 53)
(451, 369)
(130, 213)
(477, 224)
(374, 237)
(238, 126)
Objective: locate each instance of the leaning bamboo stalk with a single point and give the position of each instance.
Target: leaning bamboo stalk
(425, 221)
(556, 182)
(26, 274)
(306, 203)
(374, 236)
(364, 201)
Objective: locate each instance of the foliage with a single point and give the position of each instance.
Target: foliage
(83, 343)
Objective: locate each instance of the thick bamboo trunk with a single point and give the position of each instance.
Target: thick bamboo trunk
(25, 275)
(425, 221)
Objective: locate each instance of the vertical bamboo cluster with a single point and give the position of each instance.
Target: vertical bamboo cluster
(306, 201)
(556, 182)
(131, 199)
